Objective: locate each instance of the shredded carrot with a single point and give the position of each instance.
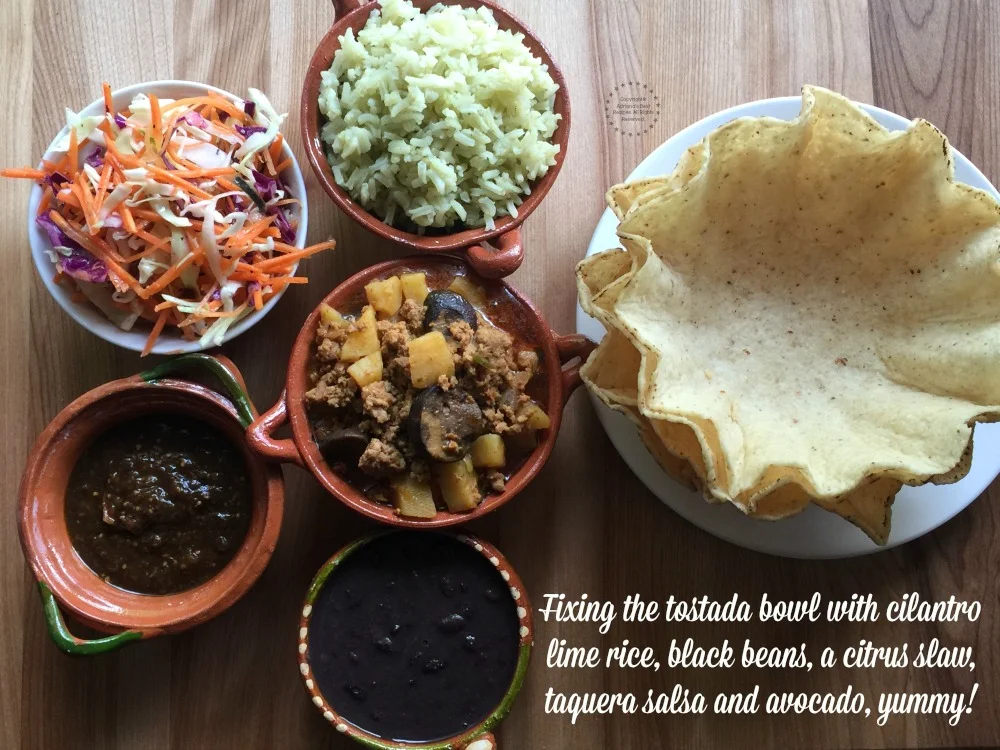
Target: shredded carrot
(82, 194)
(190, 174)
(156, 243)
(128, 221)
(45, 202)
(226, 106)
(24, 173)
(169, 275)
(77, 200)
(102, 186)
(109, 107)
(249, 231)
(66, 197)
(87, 242)
(275, 148)
(124, 161)
(154, 334)
(167, 176)
(280, 282)
(230, 187)
(156, 124)
(290, 258)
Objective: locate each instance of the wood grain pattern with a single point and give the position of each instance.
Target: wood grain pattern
(586, 524)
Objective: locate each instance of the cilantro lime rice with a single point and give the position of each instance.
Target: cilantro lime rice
(437, 119)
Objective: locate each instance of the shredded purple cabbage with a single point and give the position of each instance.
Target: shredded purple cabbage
(96, 159)
(54, 180)
(195, 119)
(248, 130)
(267, 187)
(79, 264)
(215, 296)
(84, 266)
(56, 236)
(249, 107)
(120, 120)
(283, 225)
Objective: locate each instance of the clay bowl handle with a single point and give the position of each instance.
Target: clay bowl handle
(482, 742)
(342, 7)
(499, 262)
(259, 435)
(573, 349)
(69, 643)
(225, 371)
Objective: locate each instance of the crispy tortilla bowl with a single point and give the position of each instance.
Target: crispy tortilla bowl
(804, 311)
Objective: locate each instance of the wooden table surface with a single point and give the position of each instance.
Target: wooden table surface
(586, 524)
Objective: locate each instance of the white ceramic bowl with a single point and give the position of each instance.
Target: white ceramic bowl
(89, 316)
(813, 533)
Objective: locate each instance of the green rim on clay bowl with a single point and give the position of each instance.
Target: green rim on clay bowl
(65, 580)
(415, 639)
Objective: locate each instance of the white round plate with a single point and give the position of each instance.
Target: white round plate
(89, 316)
(813, 533)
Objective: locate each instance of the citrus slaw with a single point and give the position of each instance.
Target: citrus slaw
(172, 211)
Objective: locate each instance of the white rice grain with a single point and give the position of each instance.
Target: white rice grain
(439, 117)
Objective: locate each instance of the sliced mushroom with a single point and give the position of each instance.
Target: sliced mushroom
(342, 444)
(444, 308)
(445, 422)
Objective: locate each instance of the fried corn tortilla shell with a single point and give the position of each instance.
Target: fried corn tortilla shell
(770, 199)
(822, 305)
(611, 373)
(622, 198)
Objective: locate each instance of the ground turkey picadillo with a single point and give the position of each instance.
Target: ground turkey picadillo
(385, 431)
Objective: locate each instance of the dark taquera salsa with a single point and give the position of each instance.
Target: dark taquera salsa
(414, 637)
(160, 504)
(425, 393)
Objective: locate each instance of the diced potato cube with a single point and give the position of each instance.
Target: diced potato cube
(328, 315)
(474, 294)
(488, 452)
(385, 296)
(535, 417)
(415, 287)
(413, 498)
(367, 370)
(364, 340)
(430, 358)
(458, 483)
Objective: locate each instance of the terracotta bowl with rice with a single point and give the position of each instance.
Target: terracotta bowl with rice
(434, 167)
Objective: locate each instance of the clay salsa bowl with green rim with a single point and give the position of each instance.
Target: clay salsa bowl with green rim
(561, 358)
(65, 582)
(507, 251)
(478, 737)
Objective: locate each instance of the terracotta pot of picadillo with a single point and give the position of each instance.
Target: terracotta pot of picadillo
(561, 357)
(494, 253)
(478, 737)
(65, 582)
